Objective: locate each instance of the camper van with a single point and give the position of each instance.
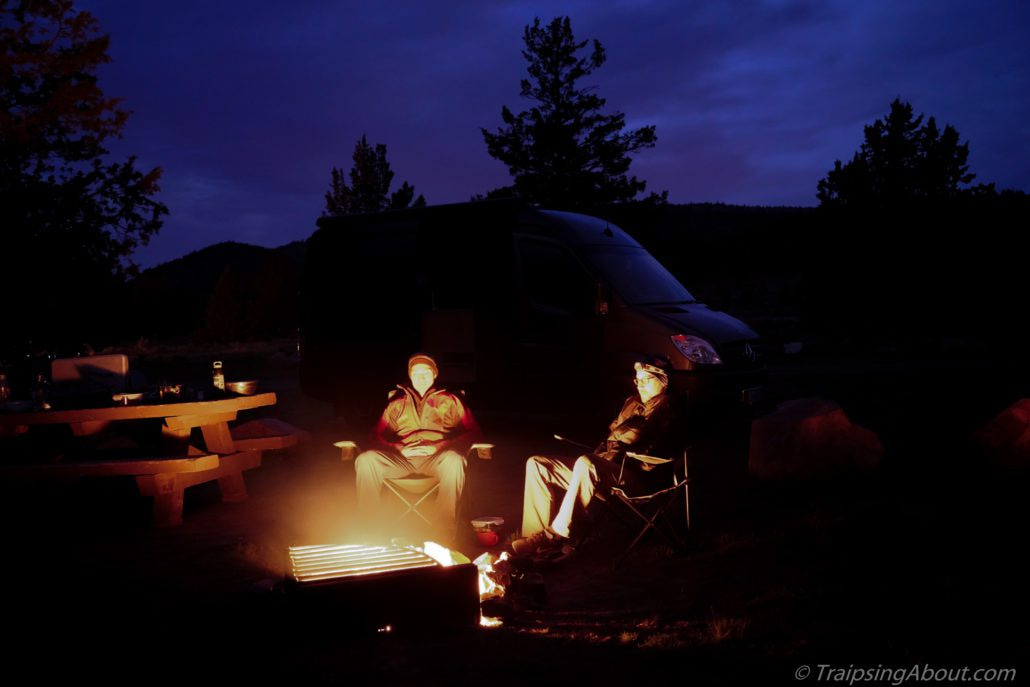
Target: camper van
(518, 305)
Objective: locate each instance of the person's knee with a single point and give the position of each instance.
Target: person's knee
(535, 466)
(366, 461)
(451, 463)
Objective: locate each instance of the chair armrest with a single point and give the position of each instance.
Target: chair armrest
(348, 450)
(648, 460)
(482, 451)
(577, 444)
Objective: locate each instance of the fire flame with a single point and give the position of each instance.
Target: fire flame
(488, 587)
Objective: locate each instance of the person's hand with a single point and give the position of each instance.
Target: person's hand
(417, 450)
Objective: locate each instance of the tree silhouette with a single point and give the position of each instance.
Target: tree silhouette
(496, 194)
(902, 161)
(369, 190)
(64, 207)
(563, 151)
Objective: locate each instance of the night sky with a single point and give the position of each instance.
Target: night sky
(247, 106)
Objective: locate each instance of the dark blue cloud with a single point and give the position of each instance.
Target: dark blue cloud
(248, 105)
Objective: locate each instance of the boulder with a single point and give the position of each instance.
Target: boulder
(1006, 438)
(809, 437)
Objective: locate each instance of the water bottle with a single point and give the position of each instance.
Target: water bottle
(41, 392)
(217, 376)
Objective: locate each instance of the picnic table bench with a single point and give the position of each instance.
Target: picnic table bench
(227, 451)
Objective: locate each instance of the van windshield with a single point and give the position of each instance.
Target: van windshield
(635, 275)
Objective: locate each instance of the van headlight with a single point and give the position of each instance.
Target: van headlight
(696, 350)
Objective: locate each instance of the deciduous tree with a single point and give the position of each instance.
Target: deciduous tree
(68, 212)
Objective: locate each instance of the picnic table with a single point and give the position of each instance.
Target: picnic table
(222, 454)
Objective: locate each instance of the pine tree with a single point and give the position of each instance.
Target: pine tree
(369, 189)
(564, 151)
(901, 161)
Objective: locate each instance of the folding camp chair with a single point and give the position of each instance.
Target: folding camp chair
(654, 509)
(415, 488)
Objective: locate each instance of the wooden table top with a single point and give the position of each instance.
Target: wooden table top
(137, 411)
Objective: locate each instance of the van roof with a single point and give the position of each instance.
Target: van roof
(587, 230)
(506, 206)
(571, 227)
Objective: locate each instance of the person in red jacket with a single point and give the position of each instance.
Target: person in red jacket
(424, 429)
(642, 426)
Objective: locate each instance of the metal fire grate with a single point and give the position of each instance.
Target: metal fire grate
(313, 564)
(374, 587)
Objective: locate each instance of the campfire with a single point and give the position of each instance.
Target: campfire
(395, 586)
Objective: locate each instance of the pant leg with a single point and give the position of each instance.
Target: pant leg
(590, 473)
(582, 485)
(371, 468)
(449, 467)
(542, 474)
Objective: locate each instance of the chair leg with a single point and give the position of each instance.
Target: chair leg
(686, 503)
(652, 523)
(649, 524)
(412, 506)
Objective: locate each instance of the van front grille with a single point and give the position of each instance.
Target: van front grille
(742, 355)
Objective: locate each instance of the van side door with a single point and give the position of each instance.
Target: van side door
(560, 331)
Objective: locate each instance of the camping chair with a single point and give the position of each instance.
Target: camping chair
(415, 488)
(412, 490)
(654, 509)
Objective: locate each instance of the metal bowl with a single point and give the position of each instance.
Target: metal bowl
(245, 388)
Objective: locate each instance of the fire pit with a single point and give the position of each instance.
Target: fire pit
(380, 587)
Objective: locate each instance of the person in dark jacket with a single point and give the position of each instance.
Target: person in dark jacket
(424, 429)
(642, 425)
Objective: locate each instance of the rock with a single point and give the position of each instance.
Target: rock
(1006, 438)
(809, 437)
